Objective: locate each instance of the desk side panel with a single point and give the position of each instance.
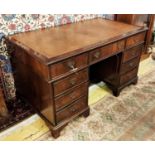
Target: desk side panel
(30, 83)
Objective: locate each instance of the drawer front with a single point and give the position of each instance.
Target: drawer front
(129, 65)
(128, 76)
(132, 53)
(68, 66)
(70, 81)
(106, 51)
(72, 110)
(134, 40)
(71, 96)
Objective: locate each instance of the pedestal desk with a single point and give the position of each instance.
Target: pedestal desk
(54, 67)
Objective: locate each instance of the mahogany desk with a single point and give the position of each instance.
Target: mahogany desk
(54, 66)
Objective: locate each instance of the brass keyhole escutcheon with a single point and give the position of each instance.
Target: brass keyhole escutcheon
(72, 96)
(97, 54)
(131, 64)
(73, 81)
(73, 110)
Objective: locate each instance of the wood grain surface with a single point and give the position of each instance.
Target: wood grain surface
(73, 38)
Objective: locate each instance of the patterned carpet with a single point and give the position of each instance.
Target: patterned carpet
(131, 116)
(18, 111)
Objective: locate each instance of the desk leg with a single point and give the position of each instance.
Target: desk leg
(116, 92)
(135, 81)
(55, 133)
(86, 113)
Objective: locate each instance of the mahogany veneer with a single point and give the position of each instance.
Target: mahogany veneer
(53, 67)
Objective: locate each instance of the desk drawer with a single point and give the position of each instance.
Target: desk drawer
(134, 40)
(106, 51)
(129, 65)
(70, 81)
(72, 110)
(68, 66)
(132, 53)
(71, 96)
(128, 76)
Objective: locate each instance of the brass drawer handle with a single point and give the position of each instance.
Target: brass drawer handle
(133, 53)
(119, 46)
(73, 110)
(131, 64)
(96, 54)
(72, 96)
(73, 81)
(71, 65)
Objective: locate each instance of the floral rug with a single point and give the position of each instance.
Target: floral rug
(131, 116)
(18, 111)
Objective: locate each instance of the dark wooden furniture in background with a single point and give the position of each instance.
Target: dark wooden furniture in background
(146, 20)
(53, 67)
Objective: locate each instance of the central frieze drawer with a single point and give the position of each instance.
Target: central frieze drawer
(72, 110)
(71, 96)
(70, 81)
(106, 51)
(69, 65)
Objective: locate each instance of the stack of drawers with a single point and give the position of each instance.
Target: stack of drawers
(70, 87)
(129, 63)
(58, 91)
(121, 68)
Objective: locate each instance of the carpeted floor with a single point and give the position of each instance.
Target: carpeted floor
(18, 111)
(131, 116)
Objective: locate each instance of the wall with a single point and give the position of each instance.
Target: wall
(15, 23)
